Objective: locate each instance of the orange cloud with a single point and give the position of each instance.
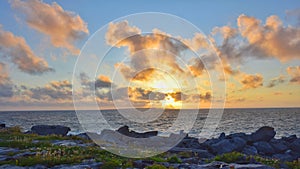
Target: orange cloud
(271, 39)
(16, 48)
(294, 72)
(63, 27)
(251, 81)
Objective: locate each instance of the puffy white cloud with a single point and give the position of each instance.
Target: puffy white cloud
(271, 39)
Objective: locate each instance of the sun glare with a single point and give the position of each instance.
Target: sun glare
(170, 102)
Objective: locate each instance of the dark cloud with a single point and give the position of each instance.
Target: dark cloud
(56, 90)
(100, 82)
(276, 81)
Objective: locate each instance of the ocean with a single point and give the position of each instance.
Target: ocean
(286, 121)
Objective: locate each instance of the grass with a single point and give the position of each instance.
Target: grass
(229, 157)
(293, 165)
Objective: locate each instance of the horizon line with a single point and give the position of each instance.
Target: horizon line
(10, 110)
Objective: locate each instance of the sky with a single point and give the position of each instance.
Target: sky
(196, 54)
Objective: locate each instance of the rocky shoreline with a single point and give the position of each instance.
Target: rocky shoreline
(239, 150)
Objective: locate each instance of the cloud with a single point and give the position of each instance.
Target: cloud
(276, 81)
(100, 82)
(294, 72)
(271, 39)
(6, 85)
(63, 27)
(17, 50)
(251, 81)
(197, 67)
(53, 91)
(153, 50)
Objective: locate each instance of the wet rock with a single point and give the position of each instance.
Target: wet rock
(249, 150)
(7, 150)
(90, 165)
(84, 136)
(222, 136)
(200, 153)
(130, 133)
(264, 148)
(279, 145)
(7, 166)
(50, 129)
(4, 158)
(191, 160)
(25, 154)
(142, 163)
(39, 166)
(295, 145)
(290, 138)
(241, 135)
(65, 143)
(262, 134)
(228, 145)
(189, 143)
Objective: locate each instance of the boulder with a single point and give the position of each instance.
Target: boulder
(228, 145)
(264, 148)
(50, 129)
(249, 150)
(290, 138)
(241, 135)
(283, 157)
(199, 152)
(2, 125)
(279, 145)
(130, 133)
(262, 134)
(222, 136)
(295, 145)
(189, 143)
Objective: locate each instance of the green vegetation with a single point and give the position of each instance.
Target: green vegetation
(229, 157)
(156, 166)
(174, 159)
(294, 165)
(267, 161)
